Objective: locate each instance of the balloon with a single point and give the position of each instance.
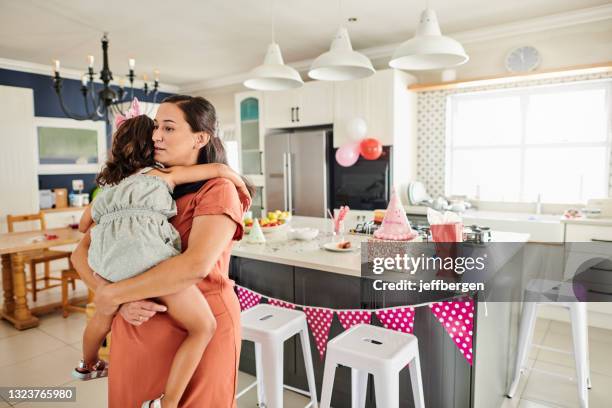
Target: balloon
(347, 154)
(370, 148)
(356, 129)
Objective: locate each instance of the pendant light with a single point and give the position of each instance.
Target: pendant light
(273, 74)
(428, 49)
(341, 62)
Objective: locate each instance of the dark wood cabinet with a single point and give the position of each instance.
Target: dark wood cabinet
(446, 374)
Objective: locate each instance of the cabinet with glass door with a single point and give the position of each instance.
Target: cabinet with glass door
(249, 130)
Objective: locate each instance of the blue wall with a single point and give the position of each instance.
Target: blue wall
(46, 104)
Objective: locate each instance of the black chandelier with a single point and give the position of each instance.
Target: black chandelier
(109, 100)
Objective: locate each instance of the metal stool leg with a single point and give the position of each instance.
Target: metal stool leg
(524, 344)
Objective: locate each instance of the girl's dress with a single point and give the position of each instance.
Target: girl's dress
(132, 232)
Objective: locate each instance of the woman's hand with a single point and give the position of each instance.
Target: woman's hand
(138, 312)
(103, 298)
(226, 171)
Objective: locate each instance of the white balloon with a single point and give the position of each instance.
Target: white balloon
(357, 129)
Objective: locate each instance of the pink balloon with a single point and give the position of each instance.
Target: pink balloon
(348, 154)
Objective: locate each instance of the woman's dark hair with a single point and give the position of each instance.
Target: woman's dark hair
(201, 116)
(132, 150)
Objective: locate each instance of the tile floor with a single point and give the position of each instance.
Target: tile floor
(45, 356)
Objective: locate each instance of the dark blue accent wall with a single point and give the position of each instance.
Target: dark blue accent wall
(47, 104)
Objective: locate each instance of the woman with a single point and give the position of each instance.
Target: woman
(209, 218)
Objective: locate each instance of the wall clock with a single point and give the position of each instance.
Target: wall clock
(523, 59)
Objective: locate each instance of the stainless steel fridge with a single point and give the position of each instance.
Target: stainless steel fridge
(296, 171)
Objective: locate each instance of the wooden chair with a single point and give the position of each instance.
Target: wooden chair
(35, 257)
(70, 275)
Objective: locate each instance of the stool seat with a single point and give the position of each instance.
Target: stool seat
(368, 349)
(267, 321)
(368, 346)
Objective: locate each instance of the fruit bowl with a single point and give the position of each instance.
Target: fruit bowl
(275, 221)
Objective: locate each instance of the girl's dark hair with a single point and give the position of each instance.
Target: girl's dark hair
(131, 151)
(201, 116)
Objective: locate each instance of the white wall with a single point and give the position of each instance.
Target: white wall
(223, 101)
(18, 154)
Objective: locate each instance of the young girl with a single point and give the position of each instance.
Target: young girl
(131, 234)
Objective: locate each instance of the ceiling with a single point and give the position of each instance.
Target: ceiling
(195, 40)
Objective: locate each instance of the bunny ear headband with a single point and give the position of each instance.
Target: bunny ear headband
(131, 113)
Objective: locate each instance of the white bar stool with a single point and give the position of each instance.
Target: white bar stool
(578, 318)
(377, 351)
(269, 327)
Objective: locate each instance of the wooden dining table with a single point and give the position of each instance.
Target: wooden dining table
(13, 245)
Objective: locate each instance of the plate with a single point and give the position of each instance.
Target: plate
(333, 247)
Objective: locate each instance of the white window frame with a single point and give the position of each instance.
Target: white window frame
(524, 94)
(98, 126)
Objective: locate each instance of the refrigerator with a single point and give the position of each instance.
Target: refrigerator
(296, 171)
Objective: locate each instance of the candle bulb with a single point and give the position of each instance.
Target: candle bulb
(132, 63)
(56, 65)
(144, 77)
(90, 61)
(84, 80)
(156, 73)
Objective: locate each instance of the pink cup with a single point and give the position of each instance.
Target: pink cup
(447, 232)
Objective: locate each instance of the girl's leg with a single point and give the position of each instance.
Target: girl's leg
(91, 367)
(191, 310)
(95, 332)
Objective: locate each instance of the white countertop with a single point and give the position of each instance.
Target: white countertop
(309, 254)
(605, 222)
(494, 215)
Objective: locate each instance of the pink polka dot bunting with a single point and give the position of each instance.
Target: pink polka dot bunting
(281, 303)
(319, 321)
(400, 319)
(349, 318)
(247, 298)
(458, 320)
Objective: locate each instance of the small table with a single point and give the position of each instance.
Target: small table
(12, 246)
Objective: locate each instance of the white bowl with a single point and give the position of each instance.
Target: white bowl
(303, 234)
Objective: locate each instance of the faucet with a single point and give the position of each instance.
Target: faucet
(539, 204)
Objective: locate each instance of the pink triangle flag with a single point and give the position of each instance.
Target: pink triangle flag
(457, 317)
(349, 318)
(399, 318)
(281, 303)
(247, 298)
(319, 321)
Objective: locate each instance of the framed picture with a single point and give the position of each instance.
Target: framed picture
(68, 146)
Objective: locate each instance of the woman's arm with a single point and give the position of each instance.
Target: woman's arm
(86, 220)
(176, 175)
(207, 240)
(79, 261)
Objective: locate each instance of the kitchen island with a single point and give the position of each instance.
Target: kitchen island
(303, 273)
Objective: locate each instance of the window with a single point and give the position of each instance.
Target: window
(232, 151)
(516, 145)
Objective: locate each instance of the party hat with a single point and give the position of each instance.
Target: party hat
(395, 225)
(256, 235)
(132, 112)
